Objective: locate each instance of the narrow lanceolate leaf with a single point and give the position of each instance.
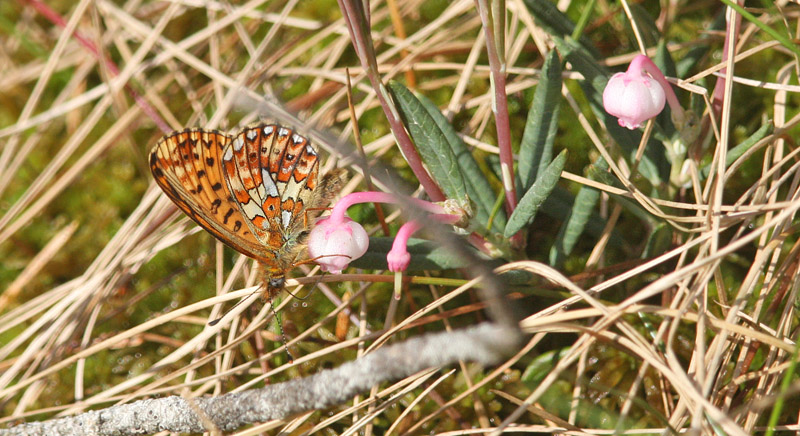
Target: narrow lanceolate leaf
(648, 29)
(555, 22)
(431, 143)
(536, 195)
(536, 149)
(739, 150)
(478, 187)
(572, 229)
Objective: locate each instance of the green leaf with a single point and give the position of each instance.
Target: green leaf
(541, 366)
(572, 229)
(658, 241)
(663, 60)
(536, 148)
(784, 39)
(536, 195)
(739, 150)
(559, 205)
(644, 22)
(477, 185)
(431, 142)
(554, 22)
(690, 61)
(604, 176)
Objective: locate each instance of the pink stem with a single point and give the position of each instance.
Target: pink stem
(497, 70)
(357, 20)
(338, 211)
(404, 234)
(411, 227)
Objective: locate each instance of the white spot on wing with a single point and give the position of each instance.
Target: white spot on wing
(297, 138)
(254, 192)
(252, 210)
(268, 130)
(310, 150)
(251, 135)
(238, 143)
(286, 216)
(283, 131)
(269, 184)
(228, 155)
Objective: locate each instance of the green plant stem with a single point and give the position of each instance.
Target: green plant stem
(583, 20)
(780, 401)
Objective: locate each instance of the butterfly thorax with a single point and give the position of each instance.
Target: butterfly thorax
(291, 250)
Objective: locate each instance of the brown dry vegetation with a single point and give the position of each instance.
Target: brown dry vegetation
(678, 311)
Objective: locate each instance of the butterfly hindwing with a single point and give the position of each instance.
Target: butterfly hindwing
(297, 174)
(272, 172)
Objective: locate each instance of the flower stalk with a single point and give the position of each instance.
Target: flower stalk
(336, 240)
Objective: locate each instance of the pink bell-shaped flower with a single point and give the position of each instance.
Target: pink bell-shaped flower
(633, 97)
(638, 94)
(334, 245)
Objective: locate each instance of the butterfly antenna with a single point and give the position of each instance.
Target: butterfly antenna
(216, 321)
(280, 328)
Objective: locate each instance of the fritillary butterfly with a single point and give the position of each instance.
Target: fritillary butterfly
(258, 191)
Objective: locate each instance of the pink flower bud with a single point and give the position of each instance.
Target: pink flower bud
(633, 97)
(398, 258)
(334, 245)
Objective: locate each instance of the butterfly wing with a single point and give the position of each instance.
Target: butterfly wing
(296, 172)
(187, 165)
(272, 172)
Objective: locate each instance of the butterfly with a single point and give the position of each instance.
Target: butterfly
(258, 192)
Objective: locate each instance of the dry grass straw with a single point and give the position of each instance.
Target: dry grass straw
(50, 338)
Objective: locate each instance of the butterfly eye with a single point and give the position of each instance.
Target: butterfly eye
(276, 283)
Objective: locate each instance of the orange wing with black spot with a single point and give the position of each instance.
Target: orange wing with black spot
(272, 172)
(187, 165)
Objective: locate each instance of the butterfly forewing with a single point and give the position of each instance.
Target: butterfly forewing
(187, 167)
